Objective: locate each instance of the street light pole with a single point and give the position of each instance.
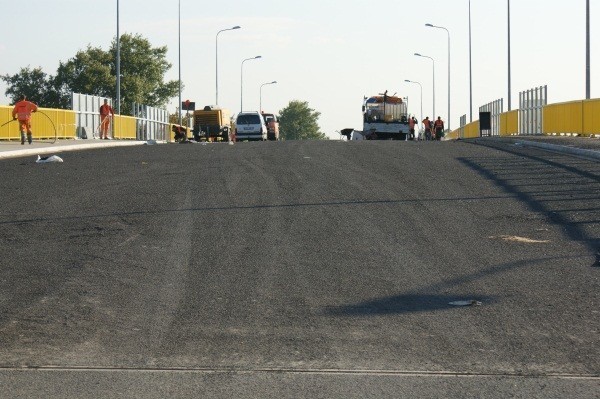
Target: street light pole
(509, 71)
(217, 62)
(242, 81)
(448, 32)
(433, 62)
(260, 93)
(421, 86)
(470, 69)
(118, 64)
(179, 43)
(588, 92)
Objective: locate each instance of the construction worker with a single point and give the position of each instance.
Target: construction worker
(411, 127)
(105, 112)
(427, 126)
(22, 111)
(439, 128)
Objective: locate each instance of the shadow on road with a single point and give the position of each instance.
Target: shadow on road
(401, 304)
(566, 192)
(420, 302)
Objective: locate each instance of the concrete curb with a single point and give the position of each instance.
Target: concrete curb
(588, 154)
(71, 147)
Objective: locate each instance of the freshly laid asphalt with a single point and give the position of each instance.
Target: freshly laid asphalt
(301, 269)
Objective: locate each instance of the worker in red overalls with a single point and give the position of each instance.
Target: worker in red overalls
(439, 128)
(427, 125)
(105, 112)
(22, 111)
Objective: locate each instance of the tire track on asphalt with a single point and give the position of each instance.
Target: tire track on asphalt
(172, 288)
(323, 371)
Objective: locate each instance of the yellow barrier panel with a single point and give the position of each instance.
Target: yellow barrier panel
(563, 118)
(591, 120)
(455, 134)
(124, 127)
(63, 120)
(8, 130)
(47, 123)
(509, 123)
(471, 130)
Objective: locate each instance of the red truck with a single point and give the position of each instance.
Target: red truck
(272, 126)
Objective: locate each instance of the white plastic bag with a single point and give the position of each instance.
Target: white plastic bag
(50, 159)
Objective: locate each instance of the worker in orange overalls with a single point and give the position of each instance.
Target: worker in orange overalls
(105, 112)
(427, 126)
(439, 128)
(22, 111)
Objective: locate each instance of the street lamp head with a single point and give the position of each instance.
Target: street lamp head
(273, 82)
(406, 80)
(429, 25)
(418, 55)
(236, 27)
(258, 56)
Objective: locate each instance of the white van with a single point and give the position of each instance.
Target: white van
(250, 126)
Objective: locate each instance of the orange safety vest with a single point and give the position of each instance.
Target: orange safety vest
(439, 123)
(427, 123)
(23, 110)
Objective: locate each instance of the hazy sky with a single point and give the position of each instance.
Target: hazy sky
(329, 53)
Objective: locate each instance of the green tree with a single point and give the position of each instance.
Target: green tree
(142, 72)
(93, 71)
(298, 121)
(34, 83)
(89, 72)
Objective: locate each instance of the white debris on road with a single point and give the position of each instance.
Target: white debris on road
(50, 159)
(471, 302)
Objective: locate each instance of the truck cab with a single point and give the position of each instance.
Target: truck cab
(385, 117)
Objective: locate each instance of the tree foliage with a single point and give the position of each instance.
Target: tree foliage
(93, 71)
(34, 83)
(143, 68)
(298, 121)
(89, 72)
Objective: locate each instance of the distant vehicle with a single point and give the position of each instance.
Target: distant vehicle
(272, 126)
(212, 124)
(250, 126)
(385, 117)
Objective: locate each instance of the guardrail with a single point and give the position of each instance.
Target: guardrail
(579, 118)
(58, 123)
(62, 124)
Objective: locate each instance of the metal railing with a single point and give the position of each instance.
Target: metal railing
(531, 110)
(151, 123)
(495, 108)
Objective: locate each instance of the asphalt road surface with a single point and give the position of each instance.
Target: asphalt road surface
(301, 269)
